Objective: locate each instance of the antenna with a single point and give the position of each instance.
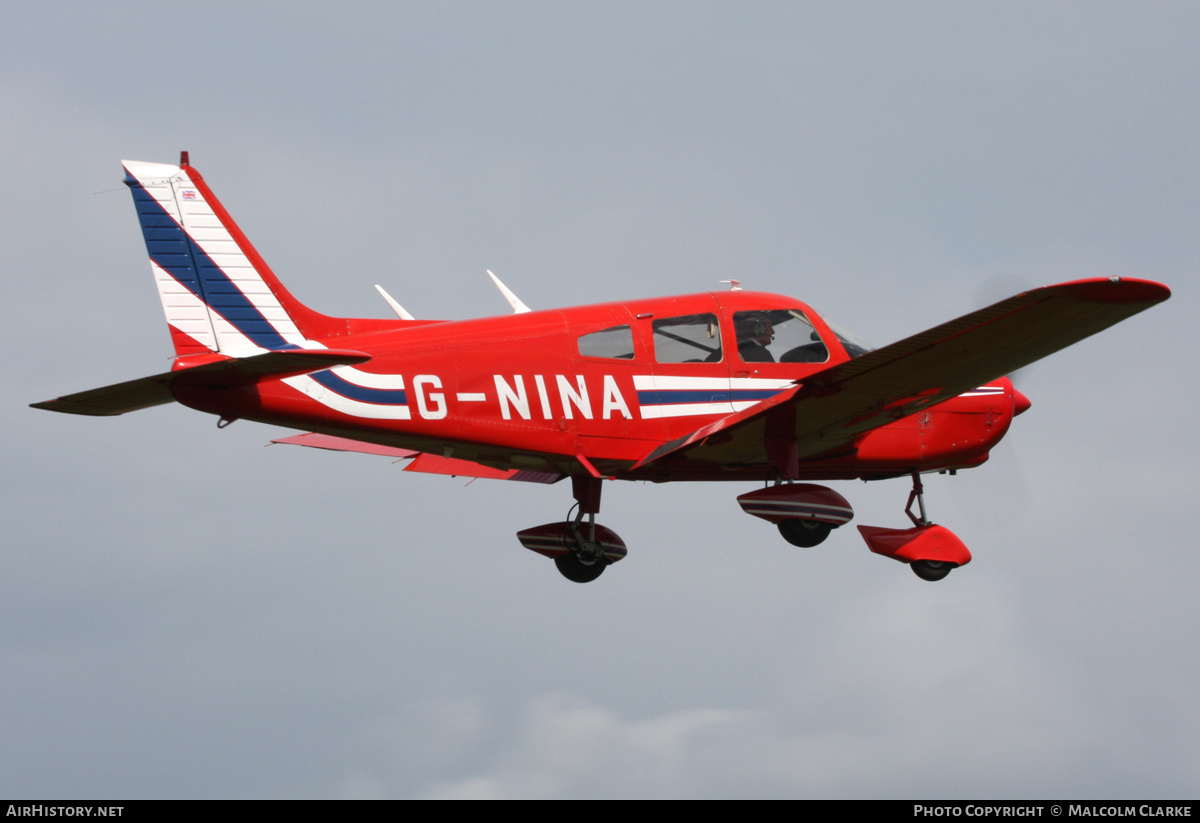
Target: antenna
(734, 285)
(400, 311)
(517, 306)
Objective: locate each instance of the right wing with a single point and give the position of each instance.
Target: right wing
(421, 461)
(826, 413)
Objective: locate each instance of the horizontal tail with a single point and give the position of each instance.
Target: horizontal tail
(212, 372)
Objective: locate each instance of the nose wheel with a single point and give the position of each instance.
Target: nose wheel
(931, 570)
(931, 551)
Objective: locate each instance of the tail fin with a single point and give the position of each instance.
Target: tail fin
(217, 292)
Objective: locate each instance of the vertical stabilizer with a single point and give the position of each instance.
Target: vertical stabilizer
(216, 291)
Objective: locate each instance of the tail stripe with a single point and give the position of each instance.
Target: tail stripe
(187, 243)
(392, 409)
(173, 268)
(363, 394)
(218, 294)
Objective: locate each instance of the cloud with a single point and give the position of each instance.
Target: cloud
(911, 696)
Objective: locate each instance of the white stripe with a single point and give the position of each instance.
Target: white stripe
(184, 310)
(345, 405)
(815, 515)
(760, 383)
(233, 342)
(798, 504)
(684, 410)
(649, 382)
(366, 379)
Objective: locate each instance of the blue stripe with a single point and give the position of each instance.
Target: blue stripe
(659, 397)
(171, 248)
(385, 397)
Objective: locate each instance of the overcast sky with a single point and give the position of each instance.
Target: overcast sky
(184, 613)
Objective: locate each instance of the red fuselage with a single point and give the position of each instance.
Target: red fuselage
(610, 383)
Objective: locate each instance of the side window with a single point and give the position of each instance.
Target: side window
(778, 336)
(614, 344)
(694, 338)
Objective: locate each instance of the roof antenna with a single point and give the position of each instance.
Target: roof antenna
(400, 311)
(517, 306)
(183, 159)
(734, 285)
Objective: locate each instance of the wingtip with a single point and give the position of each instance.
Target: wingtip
(1116, 290)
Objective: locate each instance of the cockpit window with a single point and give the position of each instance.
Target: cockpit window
(693, 338)
(778, 336)
(614, 344)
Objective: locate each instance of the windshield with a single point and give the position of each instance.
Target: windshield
(855, 345)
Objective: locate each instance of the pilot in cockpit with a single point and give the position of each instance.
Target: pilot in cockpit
(754, 334)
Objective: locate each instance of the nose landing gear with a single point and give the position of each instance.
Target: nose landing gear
(931, 570)
(931, 551)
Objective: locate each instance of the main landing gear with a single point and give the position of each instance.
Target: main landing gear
(804, 513)
(580, 549)
(931, 551)
(804, 533)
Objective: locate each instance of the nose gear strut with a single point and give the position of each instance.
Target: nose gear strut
(931, 551)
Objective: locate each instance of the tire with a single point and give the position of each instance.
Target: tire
(804, 533)
(932, 570)
(575, 570)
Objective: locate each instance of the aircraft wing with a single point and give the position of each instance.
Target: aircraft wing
(421, 461)
(155, 390)
(826, 413)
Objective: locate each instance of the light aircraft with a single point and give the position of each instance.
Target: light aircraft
(734, 385)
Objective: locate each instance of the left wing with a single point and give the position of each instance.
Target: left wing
(826, 413)
(421, 461)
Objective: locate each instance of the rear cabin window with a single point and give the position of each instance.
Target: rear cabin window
(778, 336)
(613, 344)
(693, 338)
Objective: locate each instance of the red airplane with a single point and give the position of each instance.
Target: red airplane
(733, 385)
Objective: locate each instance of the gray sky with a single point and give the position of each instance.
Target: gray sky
(187, 613)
